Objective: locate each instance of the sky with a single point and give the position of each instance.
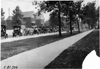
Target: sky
(25, 5)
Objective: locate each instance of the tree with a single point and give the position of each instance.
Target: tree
(69, 8)
(97, 14)
(90, 15)
(59, 8)
(64, 8)
(73, 11)
(59, 14)
(52, 6)
(54, 19)
(78, 12)
(17, 17)
(2, 16)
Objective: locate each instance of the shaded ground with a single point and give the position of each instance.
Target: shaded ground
(9, 49)
(9, 36)
(73, 57)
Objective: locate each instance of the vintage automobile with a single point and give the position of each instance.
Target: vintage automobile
(17, 31)
(3, 31)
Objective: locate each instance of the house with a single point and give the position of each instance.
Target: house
(29, 19)
(9, 23)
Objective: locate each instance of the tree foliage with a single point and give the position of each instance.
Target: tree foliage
(66, 8)
(54, 6)
(97, 14)
(90, 14)
(54, 19)
(17, 16)
(72, 10)
(2, 17)
(2, 14)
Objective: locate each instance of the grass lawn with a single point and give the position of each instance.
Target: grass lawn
(9, 49)
(72, 57)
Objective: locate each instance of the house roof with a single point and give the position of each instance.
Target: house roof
(28, 14)
(9, 18)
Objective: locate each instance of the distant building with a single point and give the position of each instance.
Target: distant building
(39, 20)
(9, 22)
(29, 19)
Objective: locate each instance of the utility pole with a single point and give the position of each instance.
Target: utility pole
(9, 12)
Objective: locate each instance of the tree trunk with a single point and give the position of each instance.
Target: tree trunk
(70, 15)
(60, 35)
(78, 26)
(78, 17)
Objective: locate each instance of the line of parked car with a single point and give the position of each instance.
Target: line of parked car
(28, 31)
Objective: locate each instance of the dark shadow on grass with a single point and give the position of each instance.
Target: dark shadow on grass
(69, 59)
(72, 58)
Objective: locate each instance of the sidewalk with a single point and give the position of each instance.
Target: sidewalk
(26, 37)
(40, 57)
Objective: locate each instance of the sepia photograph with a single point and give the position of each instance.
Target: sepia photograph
(50, 34)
